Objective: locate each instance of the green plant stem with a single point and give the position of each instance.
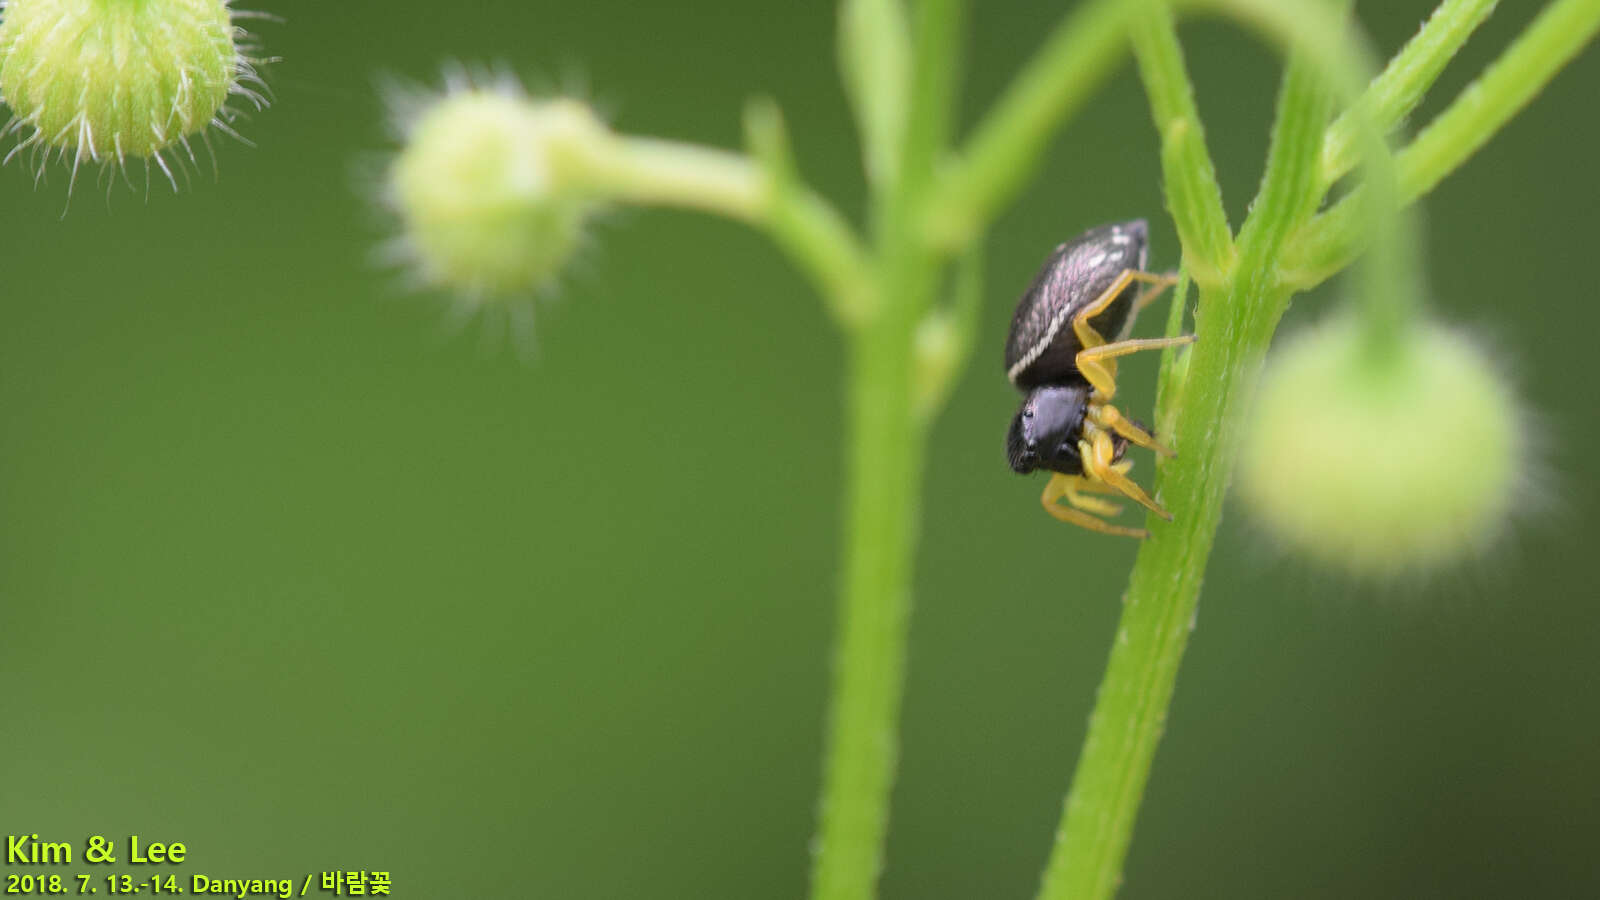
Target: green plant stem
(1005, 148)
(888, 442)
(1164, 591)
(805, 226)
(885, 466)
(1330, 241)
(936, 73)
(874, 48)
(1171, 377)
(1160, 605)
(1550, 42)
(946, 335)
(652, 171)
(1405, 80)
(1193, 196)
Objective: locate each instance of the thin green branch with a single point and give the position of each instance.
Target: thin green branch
(1170, 379)
(804, 225)
(936, 74)
(651, 171)
(1004, 151)
(946, 335)
(1549, 43)
(1289, 186)
(1193, 195)
(1554, 38)
(886, 448)
(1405, 80)
(660, 172)
(875, 62)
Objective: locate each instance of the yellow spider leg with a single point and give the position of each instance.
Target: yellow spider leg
(1158, 286)
(1084, 483)
(1102, 376)
(1101, 370)
(1084, 520)
(1075, 483)
(1108, 416)
(1098, 463)
(1097, 364)
(1087, 336)
(1134, 345)
(1058, 487)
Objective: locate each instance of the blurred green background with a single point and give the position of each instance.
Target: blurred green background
(291, 573)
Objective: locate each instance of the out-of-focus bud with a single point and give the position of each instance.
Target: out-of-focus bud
(487, 204)
(1383, 467)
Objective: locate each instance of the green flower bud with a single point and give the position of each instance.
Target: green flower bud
(104, 80)
(1383, 467)
(485, 189)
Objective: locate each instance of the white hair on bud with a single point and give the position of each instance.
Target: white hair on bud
(192, 56)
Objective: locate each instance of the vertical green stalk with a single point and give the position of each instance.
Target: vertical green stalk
(1235, 321)
(1164, 590)
(885, 470)
(1160, 604)
(1193, 195)
(887, 447)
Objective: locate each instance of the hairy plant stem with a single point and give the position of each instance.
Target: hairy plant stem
(1405, 80)
(1160, 604)
(888, 443)
(1193, 196)
(1164, 589)
(886, 449)
(887, 446)
(763, 191)
(1235, 321)
(1333, 239)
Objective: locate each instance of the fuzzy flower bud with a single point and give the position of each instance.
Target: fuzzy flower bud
(1383, 467)
(487, 201)
(105, 80)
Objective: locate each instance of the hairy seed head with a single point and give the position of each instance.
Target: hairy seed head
(487, 206)
(1383, 467)
(103, 80)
